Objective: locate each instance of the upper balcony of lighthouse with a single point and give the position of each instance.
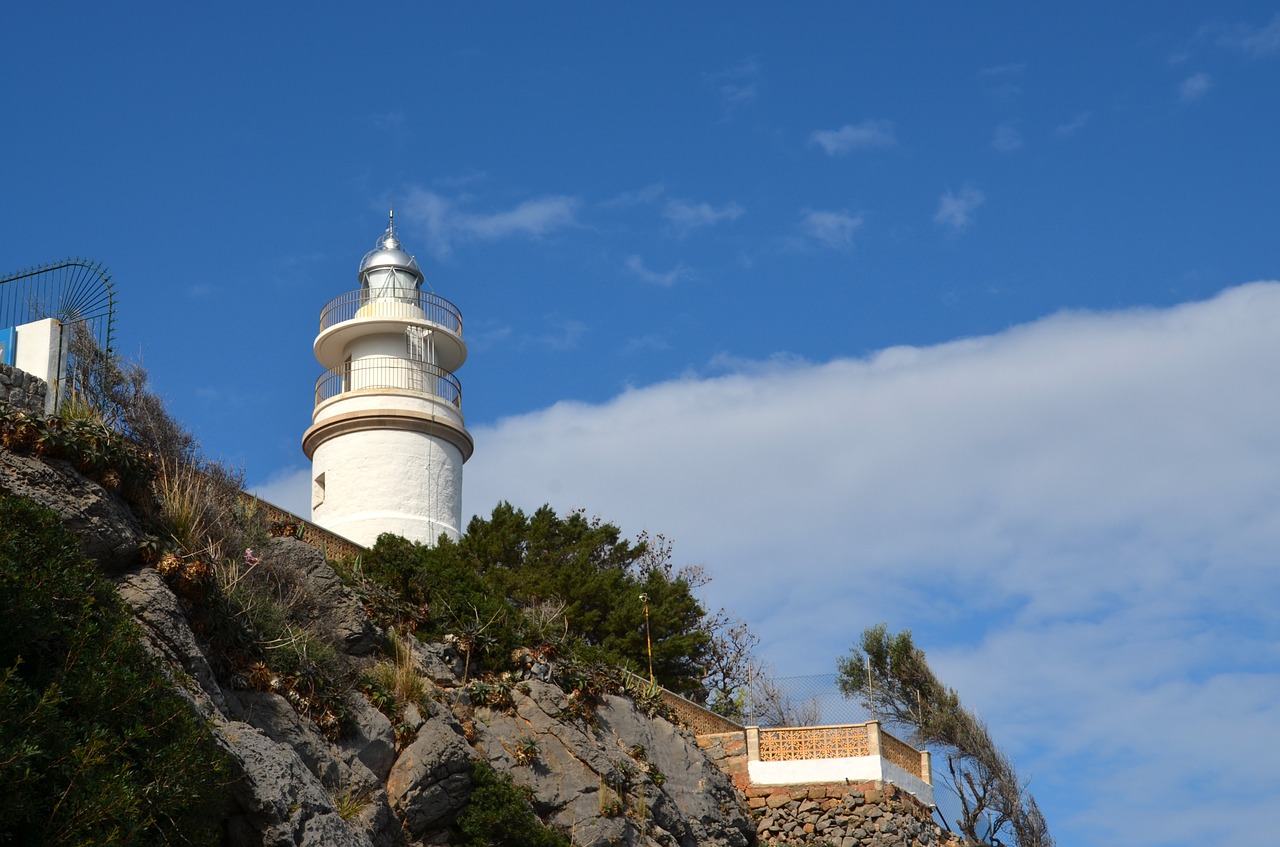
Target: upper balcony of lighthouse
(390, 302)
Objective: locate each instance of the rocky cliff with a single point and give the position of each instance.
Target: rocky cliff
(395, 762)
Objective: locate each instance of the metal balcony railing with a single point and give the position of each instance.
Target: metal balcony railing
(361, 304)
(390, 374)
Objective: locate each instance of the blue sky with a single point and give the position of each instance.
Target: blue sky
(952, 316)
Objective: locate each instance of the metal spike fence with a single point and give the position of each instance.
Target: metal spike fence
(74, 291)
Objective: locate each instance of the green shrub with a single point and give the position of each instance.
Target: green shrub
(500, 815)
(96, 747)
(541, 580)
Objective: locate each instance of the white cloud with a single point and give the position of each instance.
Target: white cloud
(445, 224)
(686, 215)
(868, 134)
(829, 228)
(665, 279)
(955, 209)
(1077, 518)
(1194, 87)
(1257, 41)
(1007, 137)
(290, 489)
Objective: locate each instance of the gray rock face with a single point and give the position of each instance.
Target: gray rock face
(431, 780)
(371, 739)
(630, 780)
(282, 803)
(328, 606)
(156, 608)
(626, 779)
(108, 531)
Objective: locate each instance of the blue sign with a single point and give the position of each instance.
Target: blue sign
(8, 337)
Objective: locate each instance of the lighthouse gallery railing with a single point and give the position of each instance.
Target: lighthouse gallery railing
(361, 304)
(389, 373)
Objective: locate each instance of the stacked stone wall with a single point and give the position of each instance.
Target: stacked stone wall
(20, 391)
(728, 751)
(866, 814)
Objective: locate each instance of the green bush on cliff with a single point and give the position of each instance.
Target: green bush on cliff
(492, 588)
(96, 747)
(499, 814)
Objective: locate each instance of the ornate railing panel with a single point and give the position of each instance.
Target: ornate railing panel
(900, 753)
(389, 373)
(423, 305)
(785, 744)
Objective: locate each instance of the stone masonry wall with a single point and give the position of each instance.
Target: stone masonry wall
(728, 751)
(863, 814)
(20, 391)
(855, 815)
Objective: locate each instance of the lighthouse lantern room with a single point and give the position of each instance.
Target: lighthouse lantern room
(387, 439)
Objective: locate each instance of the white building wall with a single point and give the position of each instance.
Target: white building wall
(40, 349)
(852, 768)
(388, 480)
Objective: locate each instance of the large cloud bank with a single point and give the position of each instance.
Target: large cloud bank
(1079, 518)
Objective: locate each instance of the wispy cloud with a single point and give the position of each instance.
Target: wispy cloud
(1194, 87)
(956, 208)
(1007, 137)
(737, 86)
(561, 334)
(831, 228)
(666, 279)
(1256, 41)
(640, 197)
(1007, 69)
(686, 215)
(867, 134)
(446, 224)
(1076, 123)
(1084, 550)
(646, 342)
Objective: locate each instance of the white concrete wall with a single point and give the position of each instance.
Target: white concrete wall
(852, 768)
(389, 480)
(40, 350)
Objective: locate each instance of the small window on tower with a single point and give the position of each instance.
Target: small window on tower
(317, 492)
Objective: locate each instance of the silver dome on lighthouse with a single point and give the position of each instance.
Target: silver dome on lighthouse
(387, 270)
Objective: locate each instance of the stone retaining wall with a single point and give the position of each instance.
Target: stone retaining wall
(22, 391)
(854, 815)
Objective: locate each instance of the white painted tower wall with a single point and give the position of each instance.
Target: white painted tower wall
(388, 440)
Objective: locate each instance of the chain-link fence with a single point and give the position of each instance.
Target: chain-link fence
(803, 701)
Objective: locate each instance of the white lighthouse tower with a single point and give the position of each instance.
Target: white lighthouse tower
(387, 439)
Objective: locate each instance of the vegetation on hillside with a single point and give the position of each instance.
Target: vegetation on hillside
(567, 584)
(96, 747)
(994, 803)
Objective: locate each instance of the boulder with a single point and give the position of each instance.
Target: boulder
(430, 782)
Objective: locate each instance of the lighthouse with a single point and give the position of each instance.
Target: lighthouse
(387, 439)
